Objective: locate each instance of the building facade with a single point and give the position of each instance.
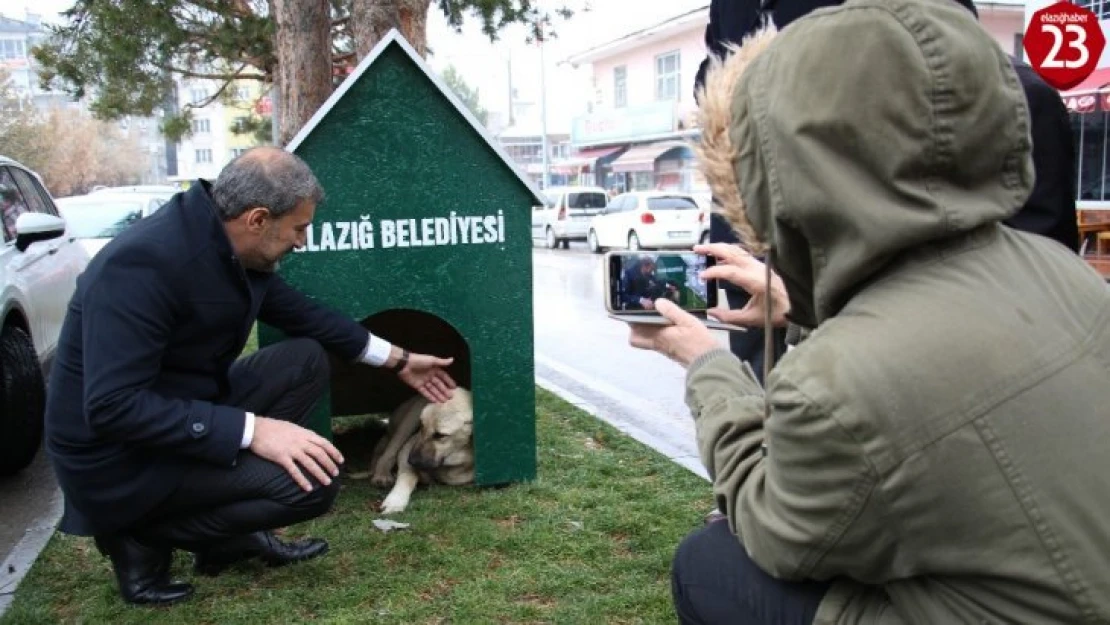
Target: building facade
(523, 143)
(213, 140)
(17, 37)
(642, 118)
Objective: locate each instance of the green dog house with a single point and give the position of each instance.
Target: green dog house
(424, 237)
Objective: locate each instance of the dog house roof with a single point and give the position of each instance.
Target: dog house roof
(394, 37)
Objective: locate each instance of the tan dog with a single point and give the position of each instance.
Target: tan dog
(428, 444)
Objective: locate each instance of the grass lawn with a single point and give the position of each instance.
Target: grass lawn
(590, 541)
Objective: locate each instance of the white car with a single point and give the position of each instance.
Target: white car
(39, 265)
(567, 214)
(647, 220)
(97, 217)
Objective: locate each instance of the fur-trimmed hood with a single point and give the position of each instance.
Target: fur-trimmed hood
(860, 132)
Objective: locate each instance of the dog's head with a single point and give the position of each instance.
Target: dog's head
(445, 439)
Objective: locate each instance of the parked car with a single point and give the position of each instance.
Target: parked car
(152, 189)
(97, 217)
(39, 265)
(648, 220)
(566, 215)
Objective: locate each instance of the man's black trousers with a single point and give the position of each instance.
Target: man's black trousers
(281, 381)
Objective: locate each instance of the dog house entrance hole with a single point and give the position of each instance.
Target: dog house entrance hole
(360, 389)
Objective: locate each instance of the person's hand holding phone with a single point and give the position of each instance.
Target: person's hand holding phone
(647, 303)
(737, 266)
(683, 341)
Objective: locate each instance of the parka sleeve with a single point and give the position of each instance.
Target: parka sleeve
(802, 510)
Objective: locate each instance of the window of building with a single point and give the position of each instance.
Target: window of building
(12, 49)
(1090, 131)
(620, 86)
(1101, 8)
(202, 126)
(667, 75)
(198, 95)
(237, 151)
(204, 156)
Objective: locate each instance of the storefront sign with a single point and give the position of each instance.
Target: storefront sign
(623, 124)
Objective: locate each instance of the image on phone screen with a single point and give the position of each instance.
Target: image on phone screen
(637, 279)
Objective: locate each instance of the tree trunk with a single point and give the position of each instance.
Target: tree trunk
(371, 21)
(303, 45)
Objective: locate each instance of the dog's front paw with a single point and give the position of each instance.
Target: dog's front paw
(394, 504)
(382, 480)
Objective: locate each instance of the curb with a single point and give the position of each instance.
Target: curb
(27, 550)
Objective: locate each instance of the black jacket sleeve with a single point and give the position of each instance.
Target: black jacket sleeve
(295, 314)
(127, 321)
(1050, 209)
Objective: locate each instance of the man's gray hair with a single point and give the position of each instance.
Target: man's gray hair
(273, 180)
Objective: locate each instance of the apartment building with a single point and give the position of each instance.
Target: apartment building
(213, 141)
(17, 37)
(637, 133)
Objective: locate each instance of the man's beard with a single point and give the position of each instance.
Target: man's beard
(263, 265)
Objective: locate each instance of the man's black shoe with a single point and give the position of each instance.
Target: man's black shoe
(142, 571)
(264, 545)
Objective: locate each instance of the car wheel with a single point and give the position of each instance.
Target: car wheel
(550, 239)
(633, 242)
(591, 240)
(22, 400)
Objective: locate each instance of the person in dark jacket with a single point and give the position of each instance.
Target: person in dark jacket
(1050, 210)
(159, 437)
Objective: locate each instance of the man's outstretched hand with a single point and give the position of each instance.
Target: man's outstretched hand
(428, 376)
(295, 448)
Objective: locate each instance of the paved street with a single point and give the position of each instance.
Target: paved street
(580, 350)
(28, 500)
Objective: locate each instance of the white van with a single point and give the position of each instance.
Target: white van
(567, 214)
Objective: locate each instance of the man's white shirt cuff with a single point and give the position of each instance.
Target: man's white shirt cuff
(248, 431)
(377, 351)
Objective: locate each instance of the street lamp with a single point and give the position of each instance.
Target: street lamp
(543, 117)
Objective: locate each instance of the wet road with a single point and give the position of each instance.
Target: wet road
(28, 501)
(580, 350)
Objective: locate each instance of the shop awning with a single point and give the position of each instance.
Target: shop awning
(642, 157)
(1091, 95)
(585, 158)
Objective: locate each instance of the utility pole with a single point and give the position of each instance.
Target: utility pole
(511, 98)
(543, 116)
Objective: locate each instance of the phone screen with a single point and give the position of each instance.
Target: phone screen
(637, 279)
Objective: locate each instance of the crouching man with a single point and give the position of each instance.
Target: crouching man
(159, 437)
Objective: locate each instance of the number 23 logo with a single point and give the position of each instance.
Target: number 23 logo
(1079, 43)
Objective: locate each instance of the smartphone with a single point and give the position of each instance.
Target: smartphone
(634, 280)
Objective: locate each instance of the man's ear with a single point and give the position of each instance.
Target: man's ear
(256, 218)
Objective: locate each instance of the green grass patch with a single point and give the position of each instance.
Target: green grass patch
(589, 541)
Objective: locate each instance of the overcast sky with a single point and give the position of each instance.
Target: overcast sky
(484, 65)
